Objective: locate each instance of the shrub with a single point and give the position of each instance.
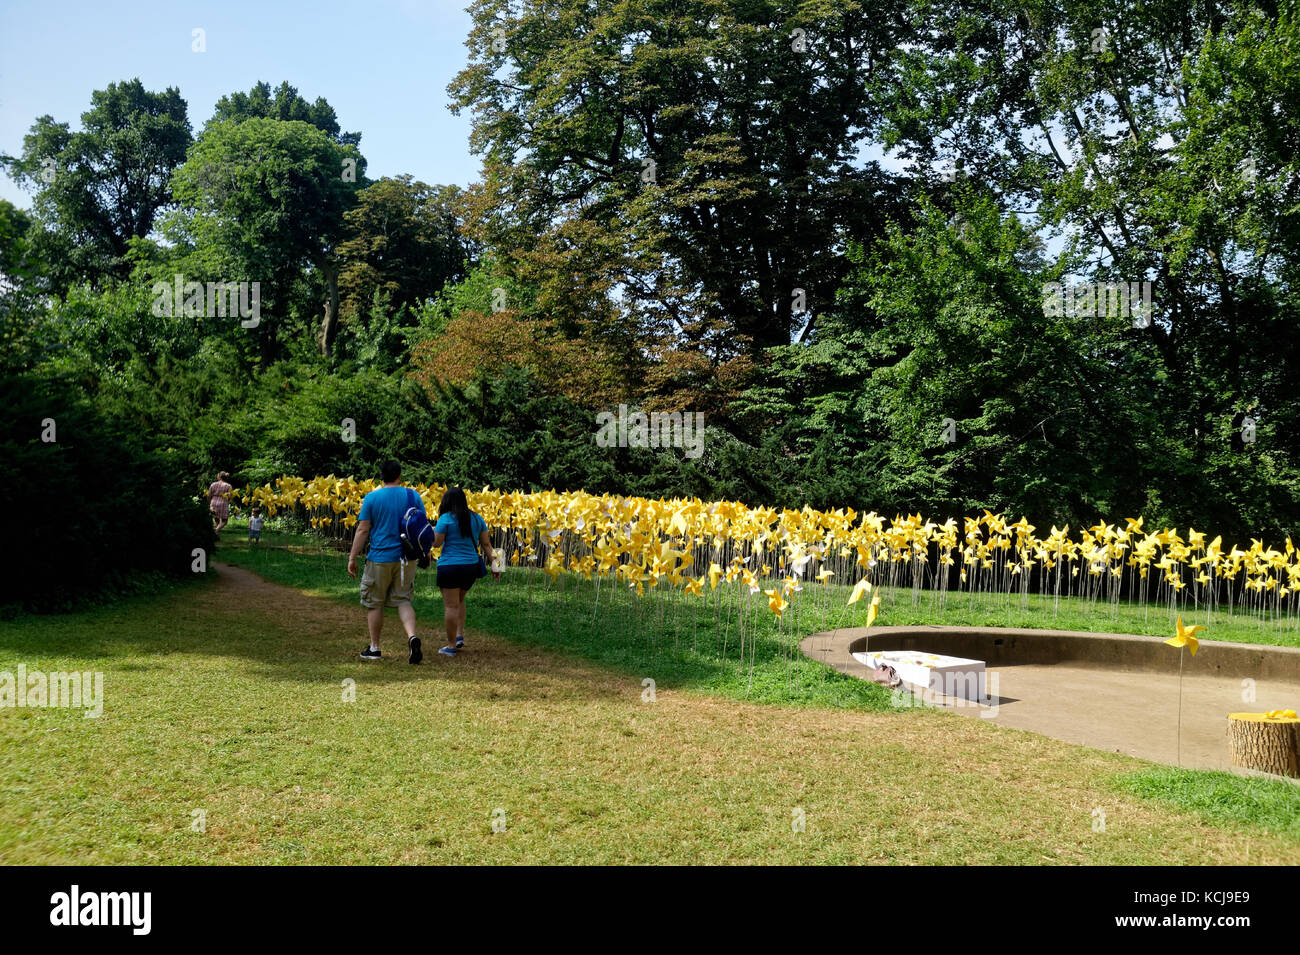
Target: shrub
(99, 510)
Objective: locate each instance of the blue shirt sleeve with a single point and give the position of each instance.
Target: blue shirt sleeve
(366, 509)
(445, 523)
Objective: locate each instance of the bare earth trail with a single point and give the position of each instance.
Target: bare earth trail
(599, 775)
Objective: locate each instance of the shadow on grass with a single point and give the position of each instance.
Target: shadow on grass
(314, 631)
(304, 640)
(678, 643)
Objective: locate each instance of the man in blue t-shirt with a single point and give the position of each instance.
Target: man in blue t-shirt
(389, 579)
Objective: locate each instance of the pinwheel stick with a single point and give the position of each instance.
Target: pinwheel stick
(1181, 652)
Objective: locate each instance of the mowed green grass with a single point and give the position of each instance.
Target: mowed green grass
(229, 696)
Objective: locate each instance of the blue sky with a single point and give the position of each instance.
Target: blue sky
(384, 66)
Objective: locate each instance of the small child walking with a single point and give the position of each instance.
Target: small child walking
(255, 526)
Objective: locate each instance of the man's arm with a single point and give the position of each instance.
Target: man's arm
(359, 541)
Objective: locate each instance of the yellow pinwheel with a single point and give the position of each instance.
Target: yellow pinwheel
(1185, 637)
(860, 588)
(873, 610)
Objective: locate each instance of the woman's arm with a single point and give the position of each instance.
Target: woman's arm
(485, 548)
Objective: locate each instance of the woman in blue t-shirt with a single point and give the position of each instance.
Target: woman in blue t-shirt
(466, 551)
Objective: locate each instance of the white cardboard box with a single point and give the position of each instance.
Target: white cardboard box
(949, 676)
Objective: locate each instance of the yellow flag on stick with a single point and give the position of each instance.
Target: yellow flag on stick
(861, 588)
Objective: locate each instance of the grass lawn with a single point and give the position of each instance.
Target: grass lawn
(229, 696)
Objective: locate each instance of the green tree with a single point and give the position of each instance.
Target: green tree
(101, 187)
(402, 240)
(20, 281)
(263, 200)
(697, 161)
(1159, 139)
(286, 104)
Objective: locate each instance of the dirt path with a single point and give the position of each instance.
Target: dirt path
(339, 630)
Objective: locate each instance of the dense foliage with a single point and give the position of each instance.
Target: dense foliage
(679, 211)
(96, 506)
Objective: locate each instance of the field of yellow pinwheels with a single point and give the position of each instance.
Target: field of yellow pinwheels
(783, 559)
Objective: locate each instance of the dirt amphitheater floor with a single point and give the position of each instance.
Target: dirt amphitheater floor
(1134, 713)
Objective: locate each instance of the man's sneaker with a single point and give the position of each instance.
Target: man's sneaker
(460, 642)
(447, 651)
(414, 643)
(370, 653)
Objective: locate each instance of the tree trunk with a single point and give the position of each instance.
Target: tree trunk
(329, 325)
(1270, 745)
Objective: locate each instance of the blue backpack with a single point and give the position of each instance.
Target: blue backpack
(416, 532)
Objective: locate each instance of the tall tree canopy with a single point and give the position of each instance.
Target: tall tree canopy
(102, 186)
(402, 240)
(263, 200)
(1160, 141)
(698, 162)
(284, 103)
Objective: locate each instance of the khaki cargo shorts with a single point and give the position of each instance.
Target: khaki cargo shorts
(387, 585)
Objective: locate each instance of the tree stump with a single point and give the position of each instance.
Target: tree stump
(1265, 741)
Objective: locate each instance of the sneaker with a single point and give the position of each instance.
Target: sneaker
(414, 643)
(447, 651)
(460, 642)
(371, 654)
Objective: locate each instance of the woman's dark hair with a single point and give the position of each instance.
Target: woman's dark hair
(454, 503)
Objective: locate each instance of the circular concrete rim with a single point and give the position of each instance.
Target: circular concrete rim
(1006, 646)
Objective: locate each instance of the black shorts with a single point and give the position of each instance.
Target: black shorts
(457, 576)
